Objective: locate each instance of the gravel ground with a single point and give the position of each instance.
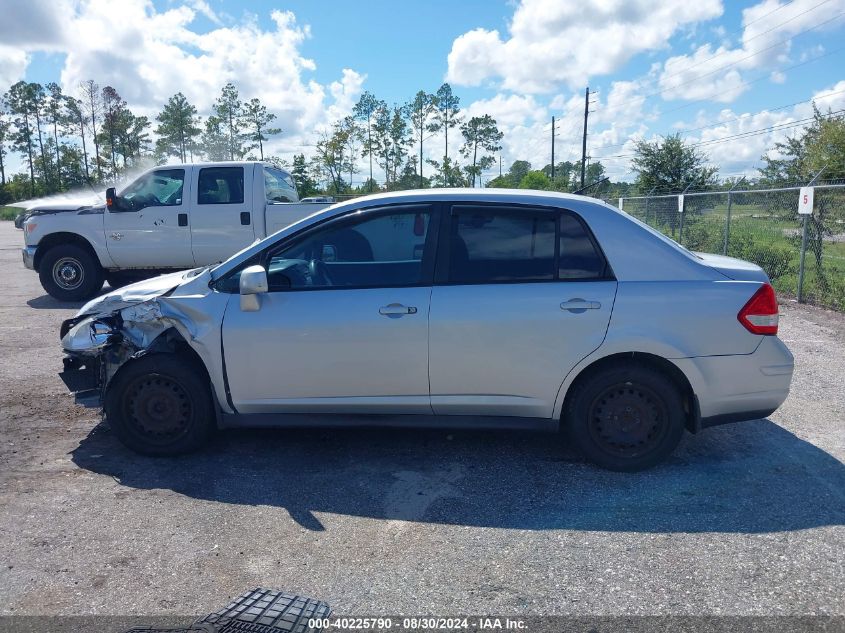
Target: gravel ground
(745, 519)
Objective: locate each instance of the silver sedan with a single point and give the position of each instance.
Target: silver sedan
(448, 308)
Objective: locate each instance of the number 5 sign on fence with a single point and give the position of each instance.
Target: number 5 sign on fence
(805, 201)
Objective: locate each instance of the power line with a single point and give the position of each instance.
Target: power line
(749, 133)
(659, 92)
(725, 52)
(739, 118)
(753, 81)
(765, 15)
(726, 66)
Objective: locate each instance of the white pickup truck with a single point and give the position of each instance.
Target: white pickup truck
(169, 218)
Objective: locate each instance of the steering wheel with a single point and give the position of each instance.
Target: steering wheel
(319, 273)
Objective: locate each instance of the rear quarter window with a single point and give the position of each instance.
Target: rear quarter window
(579, 258)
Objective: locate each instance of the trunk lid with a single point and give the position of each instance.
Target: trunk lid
(733, 268)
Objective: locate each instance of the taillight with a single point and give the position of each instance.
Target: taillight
(760, 314)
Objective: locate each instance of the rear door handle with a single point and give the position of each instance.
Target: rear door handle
(577, 305)
(396, 309)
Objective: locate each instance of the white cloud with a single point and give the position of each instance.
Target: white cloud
(13, 63)
(552, 42)
(148, 55)
(743, 155)
(718, 73)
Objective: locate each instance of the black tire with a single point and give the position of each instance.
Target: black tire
(626, 418)
(70, 273)
(160, 404)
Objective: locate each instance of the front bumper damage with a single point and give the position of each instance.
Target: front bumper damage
(83, 376)
(121, 336)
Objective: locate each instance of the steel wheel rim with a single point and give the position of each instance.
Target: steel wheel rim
(68, 273)
(628, 420)
(158, 409)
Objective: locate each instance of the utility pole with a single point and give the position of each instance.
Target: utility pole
(500, 165)
(584, 139)
(553, 148)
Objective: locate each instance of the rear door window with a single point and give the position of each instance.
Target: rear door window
(221, 185)
(498, 244)
(501, 245)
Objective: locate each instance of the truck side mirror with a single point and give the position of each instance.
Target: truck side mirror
(110, 199)
(116, 203)
(253, 282)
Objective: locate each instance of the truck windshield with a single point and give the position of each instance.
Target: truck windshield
(162, 187)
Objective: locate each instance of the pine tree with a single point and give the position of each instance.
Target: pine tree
(481, 140)
(229, 110)
(365, 110)
(256, 118)
(178, 128)
(420, 110)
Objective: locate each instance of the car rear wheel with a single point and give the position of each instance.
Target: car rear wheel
(160, 404)
(70, 273)
(626, 418)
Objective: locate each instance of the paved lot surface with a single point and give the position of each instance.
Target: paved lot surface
(744, 519)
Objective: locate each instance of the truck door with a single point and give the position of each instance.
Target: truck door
(221, 214)
(153, 232)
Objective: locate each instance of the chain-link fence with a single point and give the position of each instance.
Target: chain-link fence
(762, 226)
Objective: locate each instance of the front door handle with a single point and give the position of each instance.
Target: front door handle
(579, 305)
(396, 309)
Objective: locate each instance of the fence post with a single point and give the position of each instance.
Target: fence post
(647, 201)
(801, 264)
(681, 212)
(728, 217)
(804, 245)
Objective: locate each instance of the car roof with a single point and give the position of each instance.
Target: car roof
(482, 195)
(410, 196)
(226, 163)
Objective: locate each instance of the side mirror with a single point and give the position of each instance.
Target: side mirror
(253, 283)
(111, 196)
(117, 204)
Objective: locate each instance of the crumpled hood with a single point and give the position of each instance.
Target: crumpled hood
(134, 294)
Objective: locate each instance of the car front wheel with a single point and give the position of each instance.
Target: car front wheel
(626, 418)
(160, 404)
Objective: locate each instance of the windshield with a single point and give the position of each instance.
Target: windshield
(162, 187)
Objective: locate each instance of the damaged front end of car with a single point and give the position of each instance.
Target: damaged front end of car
(97, 345)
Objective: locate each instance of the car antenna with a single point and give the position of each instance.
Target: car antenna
(597, 182)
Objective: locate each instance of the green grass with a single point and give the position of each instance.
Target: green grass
(9, 213)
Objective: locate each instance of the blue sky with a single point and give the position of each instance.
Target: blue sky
(709, 69)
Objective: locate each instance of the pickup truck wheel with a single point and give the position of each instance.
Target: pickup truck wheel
(70, 273)
(160, 404)
(626, 418)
